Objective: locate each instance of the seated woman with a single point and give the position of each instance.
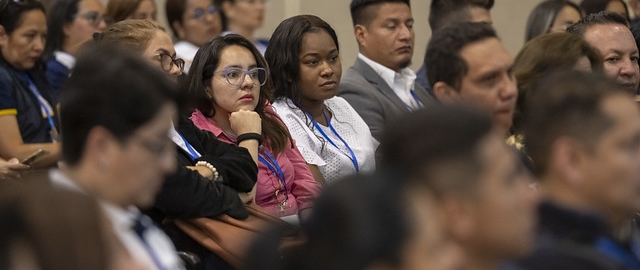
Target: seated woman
(28, 119)
(69, 24)
(328, 131)
(193, 22)
(542, 56)
(210, 173)
(120, 10)
(229, 82)
(552, 16)
(244, 18)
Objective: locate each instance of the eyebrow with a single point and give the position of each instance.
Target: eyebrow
(317, 53)
(621, 52)
(237, 66)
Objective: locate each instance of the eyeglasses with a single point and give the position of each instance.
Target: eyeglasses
(200, 13)
(235, 75)
(157, 148)
(254, 1)
(93, 17)
(167, 62)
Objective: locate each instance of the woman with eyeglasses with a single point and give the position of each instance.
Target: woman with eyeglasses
(193, 22)
(70, 23)
(229, 82)
(119, 10)
(213, 177)
(28, 118)
(244, 17)
(332, 137)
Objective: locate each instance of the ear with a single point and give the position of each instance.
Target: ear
(179, 30)
(66, 29)
(360, 31)
(458, 216)
(4, 37)
(445, 93)
(566, 159)
(99, 148)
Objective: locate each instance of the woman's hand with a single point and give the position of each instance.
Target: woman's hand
(244, 121)
(204, 171)
(11, 169)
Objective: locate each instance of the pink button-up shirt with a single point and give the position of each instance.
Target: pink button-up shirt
(300, 185)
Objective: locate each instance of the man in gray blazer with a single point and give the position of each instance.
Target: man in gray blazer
(380, 86)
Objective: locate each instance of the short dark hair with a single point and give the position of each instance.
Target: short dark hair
(446, 12)
(175, 13)
(443, 60)
(200, 75)
(11, 12)
(92, 97)
(362, 11)
(542, 16)
(592, 19)
(62, 12)
(596, 6)
(569, 104)
(284, 50)
(439, 145)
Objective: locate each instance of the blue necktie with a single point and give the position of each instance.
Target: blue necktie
(142, 224)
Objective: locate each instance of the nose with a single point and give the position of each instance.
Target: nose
(247, 82)
(175, 71)
(405, 32)
(39, 44)
(102, 24)
(510, 88)
(628, 68)
(327, 70)
(168, 163)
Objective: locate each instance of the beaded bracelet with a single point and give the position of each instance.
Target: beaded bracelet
(250, 136)
(210, 167)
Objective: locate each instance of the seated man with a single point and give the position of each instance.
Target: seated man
(115, 145)
(609, 34)
(481, 189)
(583, 134)
(467, 62)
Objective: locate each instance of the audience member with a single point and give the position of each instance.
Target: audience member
(480, 188)
(467, 62)
(380, 86)
(614, 6)
(224, 96)
(244, 17)
(542, 56)
(552, 16)
(367, 222)
(70, 23)
(200, 156)
(447, 12)
(193, 22)
(47, 228)
(329, 133)
(116, 148)
(28, 120)
(119, 10)
(583, 134)
(610, 36)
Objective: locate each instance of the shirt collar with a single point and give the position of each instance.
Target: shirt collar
(65, 59)
(406, 75)
(206, 123)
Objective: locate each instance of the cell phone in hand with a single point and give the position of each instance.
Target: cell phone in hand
(31, 158)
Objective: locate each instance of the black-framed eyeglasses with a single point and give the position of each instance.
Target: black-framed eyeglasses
(167, 62)
(157, 148)
(201, 13)
(93, 17)
(235, 76)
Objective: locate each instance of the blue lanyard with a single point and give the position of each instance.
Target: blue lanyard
(140, 228)
(415, 98)
(192, 152)
(614, 251)
(351, 155)
(34, 90)
(275, 168)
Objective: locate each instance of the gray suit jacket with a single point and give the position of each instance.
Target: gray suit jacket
(374, 99)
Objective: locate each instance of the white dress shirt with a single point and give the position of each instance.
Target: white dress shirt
(123, 221)
(401, 83)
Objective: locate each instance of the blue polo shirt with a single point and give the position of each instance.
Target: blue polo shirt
(17, 99)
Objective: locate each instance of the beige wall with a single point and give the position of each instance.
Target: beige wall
(509, 19)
